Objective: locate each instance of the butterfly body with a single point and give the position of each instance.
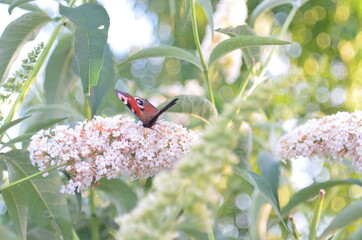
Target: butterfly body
(143, 109)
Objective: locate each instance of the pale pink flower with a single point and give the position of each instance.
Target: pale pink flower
(335, 136)
(107, 147)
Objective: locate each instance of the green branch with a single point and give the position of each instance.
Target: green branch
(31, 177)
(34, 73)
(198, 46)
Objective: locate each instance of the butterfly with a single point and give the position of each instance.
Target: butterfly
(143, 109)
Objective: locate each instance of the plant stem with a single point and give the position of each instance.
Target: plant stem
(245, 83)
(34, 73)
(94, 219)
(294, 228)
(198, 46)
(282, 33)
(317, 216)
(210, 233)
(93, 209)
(31, 177)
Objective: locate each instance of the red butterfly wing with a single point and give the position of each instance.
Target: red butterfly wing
(130, 102)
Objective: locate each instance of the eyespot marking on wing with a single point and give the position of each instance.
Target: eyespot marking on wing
(140, 103)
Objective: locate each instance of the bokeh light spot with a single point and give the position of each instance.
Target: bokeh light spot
(323, 40)
(342, 13)
(338, 96)
(322, 94)
(311, 17)
(243, 201)
(346, 50)
(355, 191)
(173, 66)
(311, 66)
(338, 203)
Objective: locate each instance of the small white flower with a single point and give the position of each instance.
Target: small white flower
(334, 136)
(106, 147)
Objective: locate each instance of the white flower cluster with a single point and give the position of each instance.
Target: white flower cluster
(106, 147)
(334, 136)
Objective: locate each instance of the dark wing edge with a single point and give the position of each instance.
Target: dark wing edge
(164, 109)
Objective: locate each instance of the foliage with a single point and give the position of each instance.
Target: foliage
(232, 185)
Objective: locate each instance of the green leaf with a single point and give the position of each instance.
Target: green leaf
(164, 51)
(207, 6)
(251, 55)
(120, 194)
(44, 124)
(260, 183)
(265, 6)
(348, 215)
(91, 33)
(238, 42)
(47, 207)
(256, 212)
(59, 75)
(269, 168)
(21, 138)
(16, 3)
(8, 125)
(106, 80)
(198, 107)
(244, 146)
(313, 190)
(56, 108)
(17, 205)
(26, 6)
(15, 35)
(6, 233)
(356, 235)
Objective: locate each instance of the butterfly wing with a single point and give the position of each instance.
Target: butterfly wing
(130, 102)
(154, 118)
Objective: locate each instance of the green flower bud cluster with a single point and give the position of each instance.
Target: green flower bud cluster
(15, 83)
(192, 191)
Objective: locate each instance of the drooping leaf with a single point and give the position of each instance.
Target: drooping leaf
(356, 235)
(44, 124)
(56, 108)
(16, 3)
(313, 190)
(91, 33)
(106, 79)
(59, 75)
(239, 42)
(15, 35)
(25, 6)
(251, 55)
(198, 107)
(345, 217)
(21, 138)
(8, 125)
(269, 168)
(265, 6)
(17, 205)
(260, 183)
(163, 51)
(207, 6)
(47, 207)
(121, 195)
(256, 212)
